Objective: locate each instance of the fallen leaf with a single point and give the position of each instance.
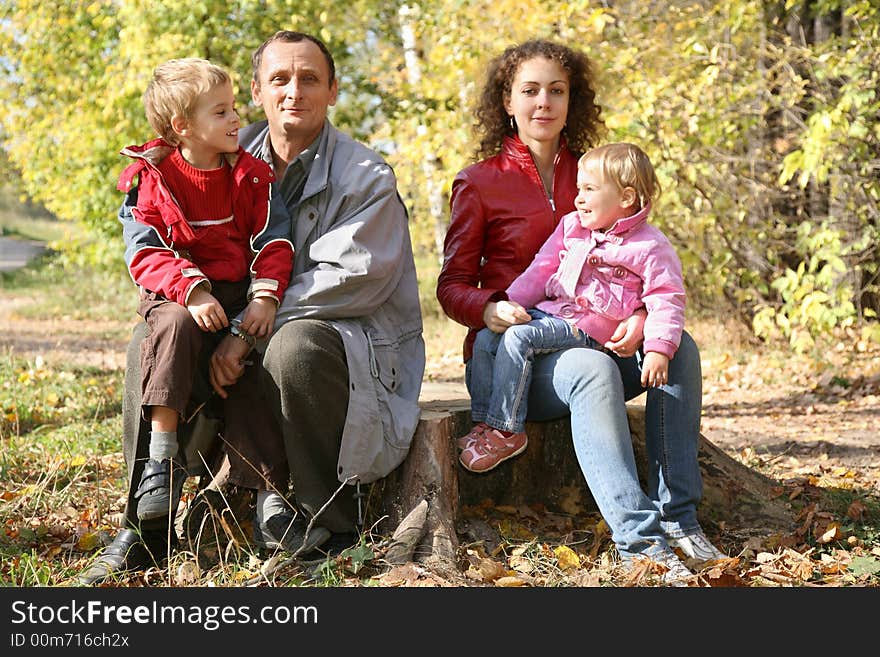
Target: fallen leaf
(765, 557)
(88, 541)
(566, 557)
(832, 533)
(490, 570)
(187, 573)
(521, 564)
(865, 566)
(509, 581)
(856, 510)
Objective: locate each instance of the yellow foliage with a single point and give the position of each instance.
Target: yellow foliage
(566, 557)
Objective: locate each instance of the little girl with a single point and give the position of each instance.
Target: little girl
(601, 264)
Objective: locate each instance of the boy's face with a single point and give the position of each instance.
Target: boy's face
(212, 129)
(599, 202)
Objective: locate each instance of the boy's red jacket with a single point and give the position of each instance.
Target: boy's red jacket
(171, 257)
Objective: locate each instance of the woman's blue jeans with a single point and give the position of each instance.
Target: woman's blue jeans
(593, 387)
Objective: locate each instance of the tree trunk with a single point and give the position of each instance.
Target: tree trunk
(547, 473)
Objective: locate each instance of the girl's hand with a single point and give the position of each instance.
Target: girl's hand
(655, 370)
(500, 315)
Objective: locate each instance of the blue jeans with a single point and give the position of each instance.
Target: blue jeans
(592, 387)
(672, 434)
(501, 367)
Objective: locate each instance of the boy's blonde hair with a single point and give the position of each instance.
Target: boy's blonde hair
(626, 165)
(174, 90)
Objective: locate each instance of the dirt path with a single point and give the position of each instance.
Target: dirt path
(88, 343)
(16, 253)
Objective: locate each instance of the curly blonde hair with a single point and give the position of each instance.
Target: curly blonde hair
(175, 89)
(584, 126)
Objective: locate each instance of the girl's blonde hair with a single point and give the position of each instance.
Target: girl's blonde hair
(174, 90)
(626, 165)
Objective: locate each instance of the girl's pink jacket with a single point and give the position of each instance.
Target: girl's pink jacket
(594, 280)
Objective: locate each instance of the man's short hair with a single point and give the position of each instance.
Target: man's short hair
(289, 36)
(175, 89)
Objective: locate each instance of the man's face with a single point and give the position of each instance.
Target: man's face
(294, 88)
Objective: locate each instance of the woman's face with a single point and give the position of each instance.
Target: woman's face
(539, 101)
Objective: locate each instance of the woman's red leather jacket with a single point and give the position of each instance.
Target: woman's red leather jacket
(501, 216)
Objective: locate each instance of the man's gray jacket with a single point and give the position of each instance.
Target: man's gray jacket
(353, 267)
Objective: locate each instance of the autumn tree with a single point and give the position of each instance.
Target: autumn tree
(761, 118)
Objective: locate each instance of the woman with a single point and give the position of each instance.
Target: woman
(537, 112)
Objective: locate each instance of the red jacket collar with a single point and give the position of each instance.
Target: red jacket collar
(513, 147)
(155, 150)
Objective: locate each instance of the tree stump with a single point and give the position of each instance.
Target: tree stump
(548, 473)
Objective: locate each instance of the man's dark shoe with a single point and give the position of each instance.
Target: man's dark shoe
(129, 551)
(287, 531)
(158, 493)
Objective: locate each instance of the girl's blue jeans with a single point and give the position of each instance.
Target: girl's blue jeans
(592, 387)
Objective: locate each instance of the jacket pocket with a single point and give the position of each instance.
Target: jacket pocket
(399, 416)
(380, 424)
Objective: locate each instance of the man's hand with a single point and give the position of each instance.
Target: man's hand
(259, 317)
(206, 310)
(655, 370)
(227, 363)
(628, 335)
(501, 315)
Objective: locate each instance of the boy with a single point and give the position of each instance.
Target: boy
(207, 200)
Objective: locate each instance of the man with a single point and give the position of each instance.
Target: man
(344, 367)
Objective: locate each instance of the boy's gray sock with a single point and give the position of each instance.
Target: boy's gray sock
(269, 503)
(163, 444)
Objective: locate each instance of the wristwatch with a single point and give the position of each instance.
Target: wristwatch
(247, 337)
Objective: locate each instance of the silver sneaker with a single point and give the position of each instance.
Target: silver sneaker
(698, 547)
(677, 574)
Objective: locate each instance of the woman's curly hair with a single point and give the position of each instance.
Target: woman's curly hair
(584, 125)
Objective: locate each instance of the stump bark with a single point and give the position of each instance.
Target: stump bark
(547, 473)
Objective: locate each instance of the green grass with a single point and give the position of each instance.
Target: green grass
(35, 396)
(23, 220)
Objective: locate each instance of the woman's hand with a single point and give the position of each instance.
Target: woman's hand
(500, 315)
(628, 335)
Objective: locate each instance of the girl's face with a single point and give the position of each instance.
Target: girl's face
(538, 101)
(600, 202)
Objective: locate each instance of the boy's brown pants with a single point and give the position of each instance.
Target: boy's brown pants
(174, 359)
